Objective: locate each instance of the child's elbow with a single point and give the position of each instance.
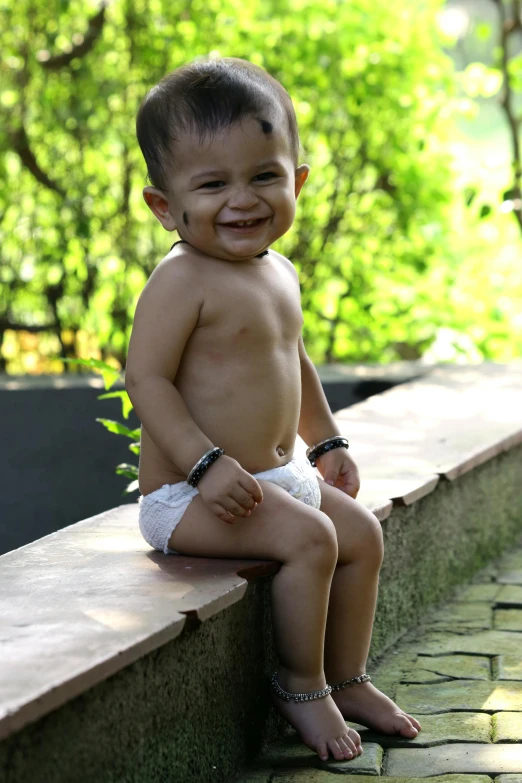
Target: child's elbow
(131, 381)
(136, 381)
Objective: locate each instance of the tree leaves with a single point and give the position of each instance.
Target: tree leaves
(110, 374)
(374, 93)
(120, 429)
(126, 404)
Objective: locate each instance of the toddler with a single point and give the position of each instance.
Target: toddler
(219, 377)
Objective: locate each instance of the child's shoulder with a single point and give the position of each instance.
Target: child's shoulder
(178, 264)
(285, 263)
(174, 280)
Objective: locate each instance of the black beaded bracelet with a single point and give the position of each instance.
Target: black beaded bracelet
(314, 452)
(203, 464)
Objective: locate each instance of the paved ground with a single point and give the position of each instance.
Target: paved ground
(460, 674)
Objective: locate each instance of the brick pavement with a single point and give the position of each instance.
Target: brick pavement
(460, 674)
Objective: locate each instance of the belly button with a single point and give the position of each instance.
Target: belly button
(280, 451)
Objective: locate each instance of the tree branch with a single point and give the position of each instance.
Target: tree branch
(5, 324)
(80, 49)
(20, 144)
(509, 27)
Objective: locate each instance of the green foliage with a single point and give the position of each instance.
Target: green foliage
(380, 229)
(110, 376)
(119, 429)
(130, 471)
(479, 80)
(116, 427)
(126, 404)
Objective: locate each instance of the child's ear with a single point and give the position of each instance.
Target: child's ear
(157, 202)
(301, 175)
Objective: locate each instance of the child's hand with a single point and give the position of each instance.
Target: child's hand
(228, 490)
(338, 469)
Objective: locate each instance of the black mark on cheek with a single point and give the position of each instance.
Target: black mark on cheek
(185, 218)
(266, 126)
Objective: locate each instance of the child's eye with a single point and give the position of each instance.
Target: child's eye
(265, 176)
(218, 183)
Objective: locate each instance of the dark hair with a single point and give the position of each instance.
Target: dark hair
(206, 96)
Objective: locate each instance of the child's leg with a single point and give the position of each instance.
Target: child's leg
(304, 541)
(351, 610)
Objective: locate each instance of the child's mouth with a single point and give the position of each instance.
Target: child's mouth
(244, 226)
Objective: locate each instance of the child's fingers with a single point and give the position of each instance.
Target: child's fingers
(231, 505)
(353, 484)
(252, 487)
(351, 488)
(243, 498)
(331, 477)
(223, 514)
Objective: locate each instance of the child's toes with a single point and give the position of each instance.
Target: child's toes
(404, 725)
(347, 747)
(351, 744)
(322, 751)
(335, 749)
(414, 722)
(356, 739)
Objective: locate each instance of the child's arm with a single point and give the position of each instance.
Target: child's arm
(166, 315)
(316, 423)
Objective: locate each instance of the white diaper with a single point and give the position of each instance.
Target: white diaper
(161, 511)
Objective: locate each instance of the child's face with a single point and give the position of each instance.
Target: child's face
(242, 174)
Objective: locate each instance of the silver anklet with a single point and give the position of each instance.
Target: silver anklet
(354, 681)
(297, 697)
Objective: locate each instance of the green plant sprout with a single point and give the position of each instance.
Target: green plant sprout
(110, 375)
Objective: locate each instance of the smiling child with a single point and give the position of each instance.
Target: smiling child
(219, 377)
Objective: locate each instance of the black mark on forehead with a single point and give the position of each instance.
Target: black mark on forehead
(266, 126)
(185, 218)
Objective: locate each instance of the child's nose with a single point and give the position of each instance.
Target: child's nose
(242, 197)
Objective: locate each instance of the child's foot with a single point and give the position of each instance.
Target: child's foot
(367, 705)
(320, 726)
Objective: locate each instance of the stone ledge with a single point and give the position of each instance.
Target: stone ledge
(418, 571)
(90, 616)
(395, 372)
(451, 428)
(103, 629)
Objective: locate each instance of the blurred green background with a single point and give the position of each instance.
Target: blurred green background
(408, 239)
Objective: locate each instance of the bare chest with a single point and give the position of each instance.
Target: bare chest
(253, 309)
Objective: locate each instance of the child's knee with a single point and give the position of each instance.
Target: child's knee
(317, 537)
(372, 542)
(360, 536)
